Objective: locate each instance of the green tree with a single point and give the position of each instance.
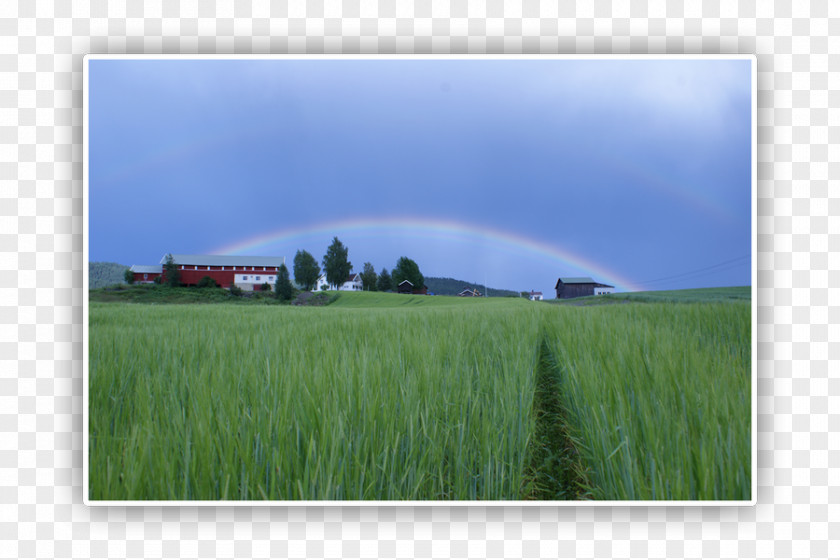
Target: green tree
(129, 276)
(171, 272)
(336, 265)
(283, 286)
(306, 270)
(207, 282)
(407, 269)
(369, 278)
(384, 282)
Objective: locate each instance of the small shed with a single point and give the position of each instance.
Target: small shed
(535, 296)
(405, 287)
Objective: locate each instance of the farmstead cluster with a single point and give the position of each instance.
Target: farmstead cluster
(251, 273)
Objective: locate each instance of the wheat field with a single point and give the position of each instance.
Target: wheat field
(429, 398)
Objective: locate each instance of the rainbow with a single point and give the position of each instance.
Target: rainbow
(457, 231)
(666, 185)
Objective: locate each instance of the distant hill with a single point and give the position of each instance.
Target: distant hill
(101, 274)
(452, 287)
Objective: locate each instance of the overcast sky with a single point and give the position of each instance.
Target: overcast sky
(509, 172)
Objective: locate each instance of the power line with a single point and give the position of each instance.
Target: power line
(719, 267)
(725, 265)
(697, 275)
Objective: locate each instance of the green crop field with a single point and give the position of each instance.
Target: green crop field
(658, 398)
(698, 295)
(391, 397)
(380, 299)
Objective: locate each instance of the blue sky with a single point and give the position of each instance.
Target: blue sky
(510, 172)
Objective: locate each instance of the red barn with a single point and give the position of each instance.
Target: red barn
(145, 274)
(248, 273)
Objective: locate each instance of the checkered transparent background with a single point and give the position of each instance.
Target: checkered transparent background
(41, 262)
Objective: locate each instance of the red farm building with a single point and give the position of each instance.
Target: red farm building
(146, 274)
(248, 273)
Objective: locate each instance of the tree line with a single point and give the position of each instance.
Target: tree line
(337, 268)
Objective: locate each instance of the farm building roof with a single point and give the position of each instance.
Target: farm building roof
(404, 281)
(577, 280)
(146, 268)
(223, 260)
(467, 291)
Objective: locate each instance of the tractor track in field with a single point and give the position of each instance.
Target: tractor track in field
(554, 470)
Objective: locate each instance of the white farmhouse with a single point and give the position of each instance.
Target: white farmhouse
(321, 283)
(352, 284)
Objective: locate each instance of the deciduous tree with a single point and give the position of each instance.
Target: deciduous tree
(336, 266)
(369, 278)
(407, 269)
(306, 270)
